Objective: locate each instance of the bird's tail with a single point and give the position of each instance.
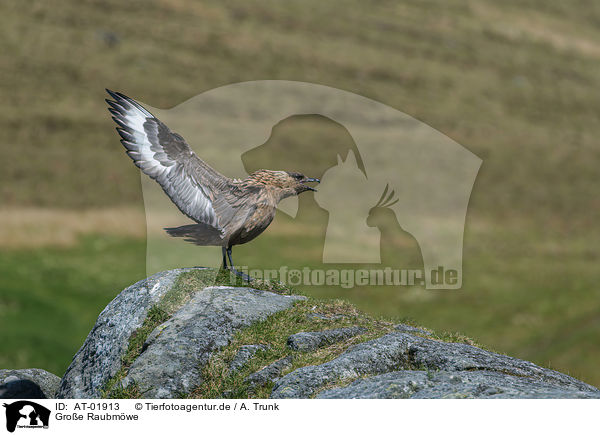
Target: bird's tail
(198, 234)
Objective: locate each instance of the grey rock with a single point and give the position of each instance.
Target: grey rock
(307, 341)
(99, 359)
(478, 384)
(399, 350)
(245, 354)
(171, 363)
(270, 373)
(402, 327)
(21, 389)
(28, 384)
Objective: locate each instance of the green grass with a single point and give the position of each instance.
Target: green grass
(50, 298)
(157, 315)
(187, 283)
(273, 332)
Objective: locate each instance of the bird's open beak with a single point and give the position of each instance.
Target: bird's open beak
(316, 180)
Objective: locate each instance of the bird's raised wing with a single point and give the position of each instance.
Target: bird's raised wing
(196, 189)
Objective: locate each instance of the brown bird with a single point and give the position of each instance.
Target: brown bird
(227, 211)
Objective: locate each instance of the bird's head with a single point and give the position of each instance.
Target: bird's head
(288, 183)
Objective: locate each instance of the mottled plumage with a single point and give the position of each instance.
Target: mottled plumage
(227, 211)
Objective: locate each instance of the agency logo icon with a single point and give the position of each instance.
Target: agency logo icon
(25, 414)
(399, 190)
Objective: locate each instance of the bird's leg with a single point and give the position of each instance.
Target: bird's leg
(237, 272)
(224, 251)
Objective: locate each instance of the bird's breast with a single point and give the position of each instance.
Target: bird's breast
(254, 224)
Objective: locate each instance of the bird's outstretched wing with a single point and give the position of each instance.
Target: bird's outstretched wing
(198, 190)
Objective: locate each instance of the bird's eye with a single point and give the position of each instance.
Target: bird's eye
(298, 176)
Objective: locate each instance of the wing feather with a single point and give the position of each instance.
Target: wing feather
(163, 155)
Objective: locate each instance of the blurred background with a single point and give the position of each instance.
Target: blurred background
(512, 81)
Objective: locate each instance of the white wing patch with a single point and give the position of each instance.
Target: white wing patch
(139, 131)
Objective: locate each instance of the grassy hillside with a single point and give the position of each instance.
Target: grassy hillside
(512, 81)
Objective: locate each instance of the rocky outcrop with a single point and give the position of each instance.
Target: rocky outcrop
(411, 329)
(270, 373)
(245, 354)
(174, 352)
(307, 341)
(166, 337)
(99, 358)
(28, 384)
(477, 384)
(420, 357)
(171, 361)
